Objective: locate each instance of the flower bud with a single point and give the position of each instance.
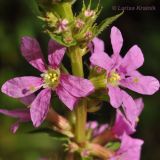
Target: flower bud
(89, 13)
(62, 25)
(79, 23)
(99, 151)
(58, 120)
(72, 147)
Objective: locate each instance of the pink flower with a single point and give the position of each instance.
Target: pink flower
(122, 72)
(130, 149)
(69, 88)
(23, 115)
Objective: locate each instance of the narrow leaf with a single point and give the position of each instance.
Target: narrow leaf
(105, 23)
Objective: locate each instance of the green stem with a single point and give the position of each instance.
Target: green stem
(81, 117)
(81, 109)
(75, 54)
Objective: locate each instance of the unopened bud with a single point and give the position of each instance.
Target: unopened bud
(62, 26)
(68, 133)
(79, 23)
(68, 39)
(58, 120)
(99, 151)
(88, 35)
(85, 153)
(89, 13)
(72, 147)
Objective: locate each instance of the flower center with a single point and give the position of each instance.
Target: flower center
(51, 78)
(114, 78)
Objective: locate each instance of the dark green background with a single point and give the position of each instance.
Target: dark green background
(138, 27)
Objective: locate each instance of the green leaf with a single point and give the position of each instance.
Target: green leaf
(105, 23)
(50, 132)
(113, 145)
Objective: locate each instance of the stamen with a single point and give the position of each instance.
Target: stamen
(114, 78)
(51, 78)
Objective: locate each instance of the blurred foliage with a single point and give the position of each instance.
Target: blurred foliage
(18, 19)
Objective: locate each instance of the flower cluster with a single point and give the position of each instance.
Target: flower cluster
(109, 77)
(119, 72)
(69, 29)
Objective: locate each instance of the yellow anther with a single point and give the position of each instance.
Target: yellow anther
(114, 78)
(55, 75)
(54, 79)
(50, 74)
(136, 80)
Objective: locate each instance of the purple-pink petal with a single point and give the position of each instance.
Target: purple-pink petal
(130, 149)
(65, 96)
(98, 45)
(40, 106)
(115, 96)
(28, 99)
(133, 59)
(116, 40)
(78, 87)
(102, 60)
(15, 126)
(129, 107)
(122, 125)
(21, 86)
(139, 105)
(55, 53)
(97, 129)
(22, 114)
(92, 125)
(32, 53)
(146, 85)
